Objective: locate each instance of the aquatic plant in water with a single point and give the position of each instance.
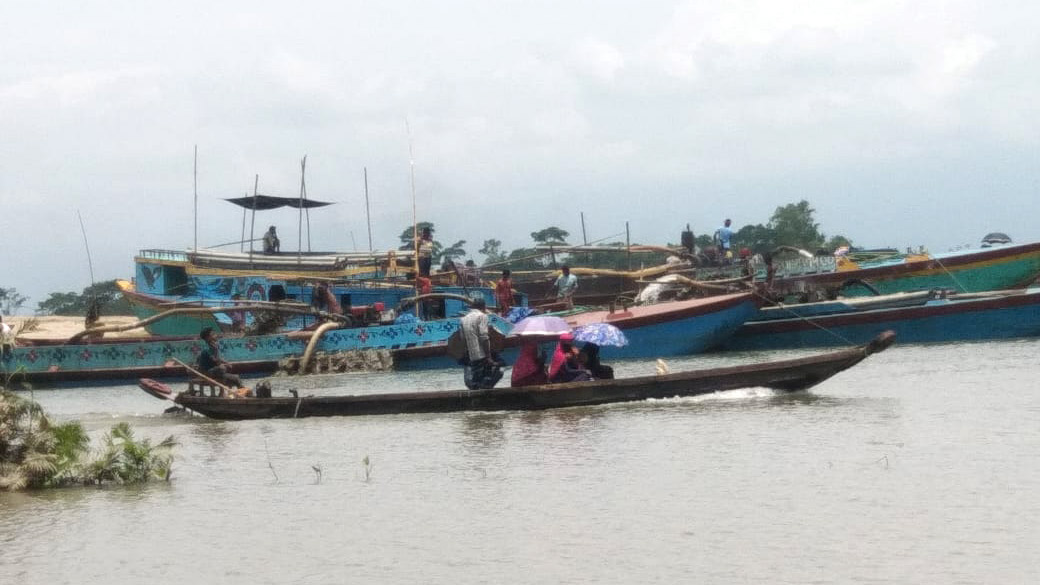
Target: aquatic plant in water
(37, 453)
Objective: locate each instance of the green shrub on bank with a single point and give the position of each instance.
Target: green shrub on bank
(36, 453)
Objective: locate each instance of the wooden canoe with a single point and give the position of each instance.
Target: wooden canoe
(787, 375)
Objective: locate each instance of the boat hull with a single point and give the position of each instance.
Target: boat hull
(667, 329)
(982, 317)
(788, 375)
(1004, 267)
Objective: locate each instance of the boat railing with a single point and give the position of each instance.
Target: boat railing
(161, 254)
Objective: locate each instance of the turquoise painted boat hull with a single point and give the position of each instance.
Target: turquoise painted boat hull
(1015, 314)
(132, 358)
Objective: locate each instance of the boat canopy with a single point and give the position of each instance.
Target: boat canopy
(266, 202)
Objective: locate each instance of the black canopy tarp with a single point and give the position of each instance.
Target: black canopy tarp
(265, 202)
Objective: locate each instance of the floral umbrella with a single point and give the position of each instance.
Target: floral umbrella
(540, 325)
(601, 334)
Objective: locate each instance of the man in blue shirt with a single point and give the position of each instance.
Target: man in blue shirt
(722, 239)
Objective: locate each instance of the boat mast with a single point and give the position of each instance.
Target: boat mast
(299, 222)
(252, 224)
(368, 215)
(196, 189)
(415, 219)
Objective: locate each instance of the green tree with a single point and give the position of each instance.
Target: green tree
(452, 252)
(757, 238)
(408, 239)
(793, 225)
(550, 235)
(492, 249)
(10, 300)
(106, 295)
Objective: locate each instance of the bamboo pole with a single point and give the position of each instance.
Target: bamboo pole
(299, 214)
(195, 176)
(227, 389)
(252, 224)
(204, 311)
(368, 216)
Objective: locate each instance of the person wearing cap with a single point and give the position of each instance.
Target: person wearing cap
(482, 371)
(565, 366)
(271, 243)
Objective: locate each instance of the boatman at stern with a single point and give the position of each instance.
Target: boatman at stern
(482, 371)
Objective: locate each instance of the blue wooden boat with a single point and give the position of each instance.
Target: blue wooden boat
(666, 329)
(122, 358)
(166, 278)
(935, 316)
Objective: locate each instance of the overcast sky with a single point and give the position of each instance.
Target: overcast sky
(902, 122)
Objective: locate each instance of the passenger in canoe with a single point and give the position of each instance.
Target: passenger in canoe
(529, 369)
(212, 364)
(589, 358)
(565, 366)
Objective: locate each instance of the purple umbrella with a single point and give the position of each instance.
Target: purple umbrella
(540, 325)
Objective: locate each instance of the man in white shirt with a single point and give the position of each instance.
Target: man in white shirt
(481, 370)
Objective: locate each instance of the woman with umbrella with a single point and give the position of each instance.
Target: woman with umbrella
(596, 335)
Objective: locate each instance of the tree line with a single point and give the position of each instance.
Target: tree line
(790, 225)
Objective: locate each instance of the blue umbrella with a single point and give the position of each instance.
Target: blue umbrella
(601, 334)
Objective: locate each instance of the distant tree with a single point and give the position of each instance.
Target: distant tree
(106, 294)
(550, 235)
(757, 238)
(452, 252)
(793, 225)
(835, 242)
(524, 259)
(10, 300)
(408, 239)
(492, 249)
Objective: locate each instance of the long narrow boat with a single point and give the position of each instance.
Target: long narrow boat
(661, 330)
(788, 376)
(937, 316)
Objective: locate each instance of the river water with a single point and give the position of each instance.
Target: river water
(918, 466)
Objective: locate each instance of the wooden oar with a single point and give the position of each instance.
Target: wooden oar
(226, 389)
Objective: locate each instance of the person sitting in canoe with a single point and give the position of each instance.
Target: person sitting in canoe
(589, 357)
(565, 366)
(529, 369)
(212, 364)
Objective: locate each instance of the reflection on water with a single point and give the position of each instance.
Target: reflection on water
(917, 466)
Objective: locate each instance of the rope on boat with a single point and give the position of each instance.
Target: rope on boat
(952, 277)
(806, 319)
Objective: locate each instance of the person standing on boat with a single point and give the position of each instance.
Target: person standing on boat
(481, 370)
(504, 292)
(271, 243)
(723, 235)
(565, 285)
(424, 252)
(6, 339)
(212, 364)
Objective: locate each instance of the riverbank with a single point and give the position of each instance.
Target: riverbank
(58, 327)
